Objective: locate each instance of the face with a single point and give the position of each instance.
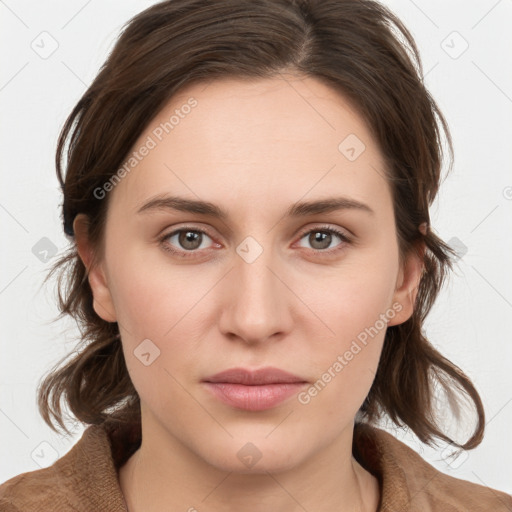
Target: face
(310, 291)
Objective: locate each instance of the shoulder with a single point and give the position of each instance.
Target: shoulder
(44, 489)
(83, 479)
(410, 483)
(30, 492)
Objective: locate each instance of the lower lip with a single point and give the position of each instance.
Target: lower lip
(253, 398)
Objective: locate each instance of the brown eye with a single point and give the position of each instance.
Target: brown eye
(320, 239)
(189, 240)
(185, 240)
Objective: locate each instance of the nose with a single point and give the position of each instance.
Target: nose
(256, 305)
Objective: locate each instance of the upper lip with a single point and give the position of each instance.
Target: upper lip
(261, 376)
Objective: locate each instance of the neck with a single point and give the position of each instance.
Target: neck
(176, 478)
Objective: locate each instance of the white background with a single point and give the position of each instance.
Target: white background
(471, 320)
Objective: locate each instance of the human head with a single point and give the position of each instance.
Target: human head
(351, 47)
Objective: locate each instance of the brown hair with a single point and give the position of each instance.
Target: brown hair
(359, 48)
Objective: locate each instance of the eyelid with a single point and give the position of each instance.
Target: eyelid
(341, 232)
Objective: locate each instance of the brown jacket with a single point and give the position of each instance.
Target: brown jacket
(86, 478)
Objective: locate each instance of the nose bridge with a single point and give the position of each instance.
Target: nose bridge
(258, 301)
(256, 281)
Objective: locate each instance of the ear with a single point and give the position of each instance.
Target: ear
(102, 299)
(407, 284)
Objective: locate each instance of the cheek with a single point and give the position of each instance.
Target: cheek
(354, 297)
(150, 307)
(345, 366)
(164, 305)
(148, 294)
(357, 306)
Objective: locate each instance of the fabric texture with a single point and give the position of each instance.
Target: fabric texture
(86, 478)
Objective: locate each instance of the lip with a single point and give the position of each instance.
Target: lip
(267, 375)
(254, 390)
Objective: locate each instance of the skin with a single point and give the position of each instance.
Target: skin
(254, 148)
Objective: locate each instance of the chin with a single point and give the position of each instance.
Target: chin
(260, 456)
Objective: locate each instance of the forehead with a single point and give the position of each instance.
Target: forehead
(260, 137)
(269, 111)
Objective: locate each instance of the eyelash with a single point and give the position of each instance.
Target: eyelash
(190, 254)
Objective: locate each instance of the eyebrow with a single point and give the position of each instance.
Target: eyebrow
(302, 209)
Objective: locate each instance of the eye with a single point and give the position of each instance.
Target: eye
(321, 238)
(187, 241)
(184, 240)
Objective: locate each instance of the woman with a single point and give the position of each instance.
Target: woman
(247, 193)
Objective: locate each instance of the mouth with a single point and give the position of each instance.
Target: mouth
(254, 390)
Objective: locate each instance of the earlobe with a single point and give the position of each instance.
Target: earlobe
(407, 285)
(102, 299)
